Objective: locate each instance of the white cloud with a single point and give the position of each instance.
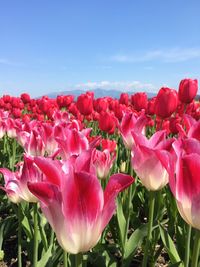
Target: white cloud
(163, 55)
(117, 85)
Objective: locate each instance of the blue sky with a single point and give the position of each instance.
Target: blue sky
(51, 46)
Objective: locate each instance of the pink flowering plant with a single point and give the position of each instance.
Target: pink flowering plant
(101, 182)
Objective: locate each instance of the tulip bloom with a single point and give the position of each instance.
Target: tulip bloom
(103, 162)
(85, 104)
(107, 122)
(139, 101)
(108, 144)
(185, 180)
(150, 158)
(187, 90)
(131, 123)
(32, 142)
(100, 104)
(72, 142)
(166, 102)
(16, 182)
(124, 99)
(74, 203)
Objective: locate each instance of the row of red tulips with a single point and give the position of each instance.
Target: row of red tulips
(156, 141)
(163, 105)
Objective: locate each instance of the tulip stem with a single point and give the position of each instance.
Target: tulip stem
(19, 236)
(187, 248)
(35, 241)
(65, 259)
(78, 260)
(195, 255)
(150, 226)
(14, 154)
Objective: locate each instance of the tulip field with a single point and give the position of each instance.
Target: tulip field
(101, 182)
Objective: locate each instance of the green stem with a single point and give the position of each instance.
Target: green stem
(195, 255)
(79, 260)
(65, 259)
(51, 237)
(14, 154)
(35, 241)
(150, 226)
(128, 215)
(131, 192)
(187, 248)
(19, 236)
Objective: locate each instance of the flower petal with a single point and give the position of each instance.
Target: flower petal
(117, 183)
(51, 168)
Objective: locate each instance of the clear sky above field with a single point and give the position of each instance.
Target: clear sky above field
(50, 46)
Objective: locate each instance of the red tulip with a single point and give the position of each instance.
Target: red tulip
(151, 106)
(166, 102)
(6, 98)
(139, 101)
(2, 104)
(108, 144)
(16, 112)
(85, 104)
(174, 124)
(100, 104)
(187, 90)
(25, 98)
(64, 100)
(107, 122)
(124, 99)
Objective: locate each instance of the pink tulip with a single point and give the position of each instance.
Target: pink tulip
(149, 158)
(74, 203)
(185, 180)
(72, 142)
(32, 142)
(103, 162)
(191, 129)
(16, 182)
(131, 123)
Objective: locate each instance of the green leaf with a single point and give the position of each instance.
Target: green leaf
(45, 257)
(178, 264)
(121, 221)
(27, 228)
(135, 240)
(169, 245)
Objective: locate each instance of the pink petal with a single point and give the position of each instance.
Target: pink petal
(83, 197)
(188, 180)
(8, 175)
(45, 192)
(51, 168)
(117, 183)
(83, 162)
(156, 138)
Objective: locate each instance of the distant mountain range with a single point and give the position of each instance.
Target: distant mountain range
(97, 93)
